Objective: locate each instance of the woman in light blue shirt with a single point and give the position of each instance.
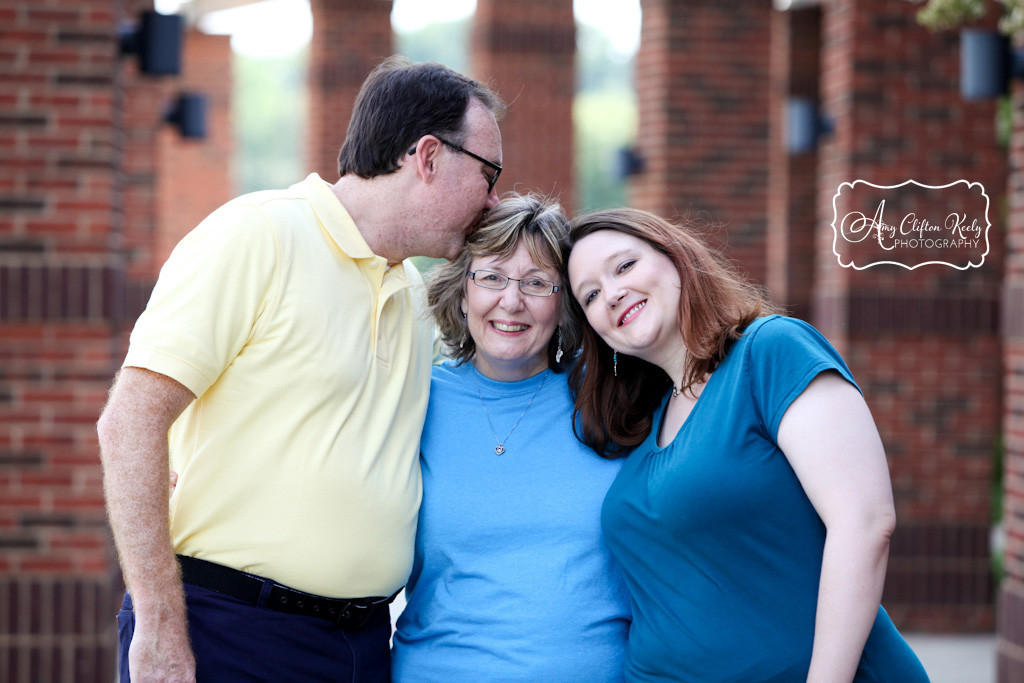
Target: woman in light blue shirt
(512, 580)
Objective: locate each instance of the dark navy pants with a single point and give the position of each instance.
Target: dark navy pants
(236, 641)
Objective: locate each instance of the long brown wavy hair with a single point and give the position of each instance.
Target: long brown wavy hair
(614, 414)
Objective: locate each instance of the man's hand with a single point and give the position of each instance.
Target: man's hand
(161, 655)
(133, 448)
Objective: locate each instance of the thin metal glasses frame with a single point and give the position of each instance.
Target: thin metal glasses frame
(505, 280)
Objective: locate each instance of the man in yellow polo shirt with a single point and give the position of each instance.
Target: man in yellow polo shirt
(281, 368)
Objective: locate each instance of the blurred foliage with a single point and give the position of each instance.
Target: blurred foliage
(425, 263)
(999, 538)
(270, 101)
(604, 112)
(605, 122)
(446, 42)
(944, 14)
(599, 66)
(604, 117)
(1004, 121)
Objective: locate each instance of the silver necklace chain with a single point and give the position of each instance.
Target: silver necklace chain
(500, 448)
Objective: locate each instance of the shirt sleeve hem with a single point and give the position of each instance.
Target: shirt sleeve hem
(799, 388)
(176, 368)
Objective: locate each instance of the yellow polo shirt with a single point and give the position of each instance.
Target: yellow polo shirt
(311, 362)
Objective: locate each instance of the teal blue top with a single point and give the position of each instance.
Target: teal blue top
(720, 547)
(511, 581)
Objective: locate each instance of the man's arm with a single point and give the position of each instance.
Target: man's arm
(133, 448)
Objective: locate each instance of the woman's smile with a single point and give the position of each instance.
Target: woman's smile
(632, 312)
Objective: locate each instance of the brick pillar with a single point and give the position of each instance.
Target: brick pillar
(525, 51)
(1011, 599)
(924, 344)
(792, 179)
(350, 37)
(79, 138)
(701, 75)
(57, 202)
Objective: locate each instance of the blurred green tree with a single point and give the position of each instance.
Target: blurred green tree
(270, 100)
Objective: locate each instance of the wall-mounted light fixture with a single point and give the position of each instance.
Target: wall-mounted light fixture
(628, 162)
(987, 62)
(157, 41)
(188, 114)
(805, 125)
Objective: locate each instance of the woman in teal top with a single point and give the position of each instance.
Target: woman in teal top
(752, 517)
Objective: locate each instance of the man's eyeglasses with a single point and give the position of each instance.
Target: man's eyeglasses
(534, 286)
(491, 179)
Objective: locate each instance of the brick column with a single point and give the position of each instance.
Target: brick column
(57, 203)
(924, 344)
(792, 179)
(350, 37)
(1011, 599)
(525, 51)
(701, 76)
(80, 134)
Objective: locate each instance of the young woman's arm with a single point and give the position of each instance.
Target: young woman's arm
(830, 440)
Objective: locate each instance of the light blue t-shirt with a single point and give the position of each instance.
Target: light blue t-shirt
(718, 542)
(511, 580)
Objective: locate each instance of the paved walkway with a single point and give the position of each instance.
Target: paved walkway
(956, 658)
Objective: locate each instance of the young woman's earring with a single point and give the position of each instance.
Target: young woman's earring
(615, 363)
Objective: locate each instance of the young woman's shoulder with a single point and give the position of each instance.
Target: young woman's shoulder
(779, 333)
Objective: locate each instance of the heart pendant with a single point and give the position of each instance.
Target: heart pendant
(499, 449)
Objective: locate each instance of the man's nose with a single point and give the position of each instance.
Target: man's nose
(492, 199)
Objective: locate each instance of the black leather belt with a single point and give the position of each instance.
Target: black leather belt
(349, 614)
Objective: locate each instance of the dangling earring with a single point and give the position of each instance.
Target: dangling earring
(615, 363)
(558, 353)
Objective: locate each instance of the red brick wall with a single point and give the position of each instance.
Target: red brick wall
(1011, 599)
(79, 135)
(526, 52)
(57, 184)
(350, 37)
(702, 73)
(924, 344)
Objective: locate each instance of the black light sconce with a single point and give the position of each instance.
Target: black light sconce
(987, 62)
(628, 162)
(188, 114)
(805, 125)
(157, 41)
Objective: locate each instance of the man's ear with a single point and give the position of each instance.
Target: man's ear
(425, 156)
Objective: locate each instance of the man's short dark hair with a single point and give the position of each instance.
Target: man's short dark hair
(400, 102)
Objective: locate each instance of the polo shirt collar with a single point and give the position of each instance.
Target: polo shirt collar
(340, 226)
(334, 217)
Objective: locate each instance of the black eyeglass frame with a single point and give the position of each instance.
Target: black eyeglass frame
(472, 276)
(491, 180)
